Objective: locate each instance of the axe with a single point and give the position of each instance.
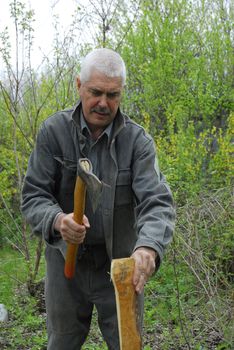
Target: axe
(85, 180)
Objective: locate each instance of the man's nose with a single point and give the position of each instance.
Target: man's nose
(102, 100)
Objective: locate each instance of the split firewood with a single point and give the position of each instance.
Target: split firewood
(122, 275)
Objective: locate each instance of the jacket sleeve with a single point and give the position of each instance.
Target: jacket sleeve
(155, 210)
(39, 205)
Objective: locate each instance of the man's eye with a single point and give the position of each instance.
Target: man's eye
(96, 92)
(112, 95)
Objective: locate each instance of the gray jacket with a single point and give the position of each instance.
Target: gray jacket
(137, 205)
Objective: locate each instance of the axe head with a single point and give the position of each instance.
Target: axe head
(93, 184)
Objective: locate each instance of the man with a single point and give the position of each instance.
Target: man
(135, 216)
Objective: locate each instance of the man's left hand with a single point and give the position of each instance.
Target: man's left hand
(144, 266)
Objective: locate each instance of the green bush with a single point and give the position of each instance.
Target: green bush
(190, 161)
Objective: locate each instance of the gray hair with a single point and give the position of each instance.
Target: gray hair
(105, 61)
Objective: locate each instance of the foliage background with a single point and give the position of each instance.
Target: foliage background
(180, 63)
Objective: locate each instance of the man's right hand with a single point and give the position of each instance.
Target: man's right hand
(70, 231)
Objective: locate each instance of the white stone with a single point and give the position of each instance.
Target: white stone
(3, 313)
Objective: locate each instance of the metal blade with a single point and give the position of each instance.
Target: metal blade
(93, 184)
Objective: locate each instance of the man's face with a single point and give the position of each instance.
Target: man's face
(100, 97)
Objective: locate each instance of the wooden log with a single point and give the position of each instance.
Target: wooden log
(122, 275)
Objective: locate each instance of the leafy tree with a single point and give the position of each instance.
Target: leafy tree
(180, 64)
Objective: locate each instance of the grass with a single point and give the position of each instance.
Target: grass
(12, 274)
(26, 329)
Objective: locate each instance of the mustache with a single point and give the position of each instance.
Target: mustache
(100, 110)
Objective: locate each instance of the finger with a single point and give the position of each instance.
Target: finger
(72, 227)
(68, 224)
(142, 271)
(148, 264)
(141, 283)
(74, 237)
(69, 232)
(138, 268)
(73, 234)
(77, 238)
(148, 261)
(86, 221)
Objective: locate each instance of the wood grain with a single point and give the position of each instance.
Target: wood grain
(122, 274)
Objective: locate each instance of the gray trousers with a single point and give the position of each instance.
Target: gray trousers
(69, 303)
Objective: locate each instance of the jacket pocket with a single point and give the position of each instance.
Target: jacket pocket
(123, 191)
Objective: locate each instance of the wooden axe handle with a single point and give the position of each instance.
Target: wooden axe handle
(79, 206)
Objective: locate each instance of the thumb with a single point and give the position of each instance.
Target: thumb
(86, 221)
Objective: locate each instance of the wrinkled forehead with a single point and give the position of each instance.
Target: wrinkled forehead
(100, 81)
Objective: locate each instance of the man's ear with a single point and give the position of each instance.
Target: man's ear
(78, 83)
